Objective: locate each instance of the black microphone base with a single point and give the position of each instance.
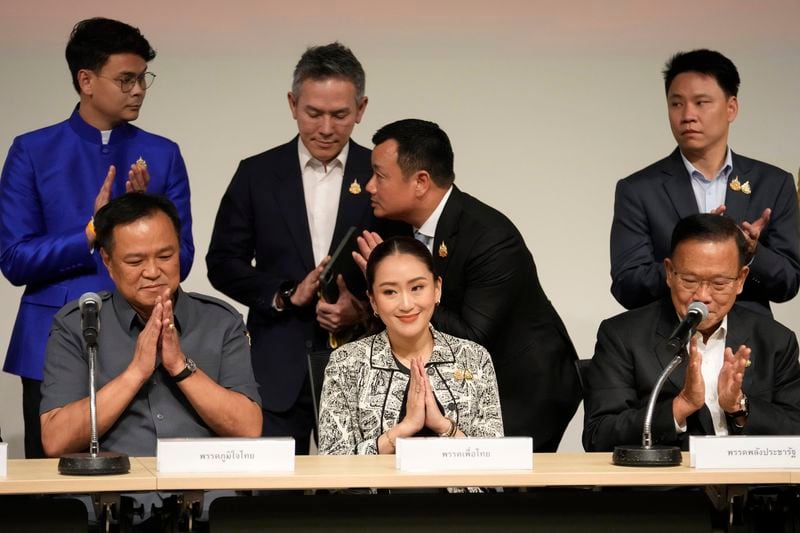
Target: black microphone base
(642, 456)
(84, 464)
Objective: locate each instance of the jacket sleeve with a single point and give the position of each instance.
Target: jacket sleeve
(179, 194)
(775, 410)
(776, 264)
(488, 419)
(232, 249)
(30, 252)
(636, 277)
(339, 433)
(614, 409)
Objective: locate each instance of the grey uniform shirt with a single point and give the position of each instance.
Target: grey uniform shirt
(211, 332)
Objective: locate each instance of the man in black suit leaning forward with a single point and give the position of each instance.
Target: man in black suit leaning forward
(287, 209)
(491, 293)
(703, 175)
(742, 375)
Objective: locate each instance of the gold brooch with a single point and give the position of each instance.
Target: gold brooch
(355, 187)
(735, 185)
(461, 375)
(443, 250)
(746, 187)
(141, 163)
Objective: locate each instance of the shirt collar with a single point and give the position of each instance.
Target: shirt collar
(88, 132)
(428, 228)
(129, 319)
(307, 159)
(726, 169)
(381, 351)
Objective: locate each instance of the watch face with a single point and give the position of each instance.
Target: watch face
(191, 365)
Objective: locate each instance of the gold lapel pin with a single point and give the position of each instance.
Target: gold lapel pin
(735, 185)
(443, 250)
(468, 374)
(746, 187)
(355, 187)
(458, 374)
(141, 163)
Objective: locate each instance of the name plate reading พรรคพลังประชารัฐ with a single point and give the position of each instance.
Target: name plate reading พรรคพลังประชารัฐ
(432, 454)
(743, 452)
(184, 456)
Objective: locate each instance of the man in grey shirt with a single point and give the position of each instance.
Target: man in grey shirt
(170, 363)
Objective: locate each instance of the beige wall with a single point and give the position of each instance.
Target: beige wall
(548, 104)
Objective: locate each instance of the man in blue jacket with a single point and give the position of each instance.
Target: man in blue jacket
(55, 179)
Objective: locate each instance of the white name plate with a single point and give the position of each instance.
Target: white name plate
(432, 454)
(743, 452)
(186, 456)
(3, 459)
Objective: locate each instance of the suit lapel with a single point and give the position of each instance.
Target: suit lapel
(678, 187)
(291, 201)
(444, 242)
(737, 335)
(736, 202)
(667, 321)
(353, 200)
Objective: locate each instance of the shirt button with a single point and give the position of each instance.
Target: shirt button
(159, 416)
(104, 150)
(430, 371)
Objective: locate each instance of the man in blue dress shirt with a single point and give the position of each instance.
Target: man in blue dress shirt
(55, 179)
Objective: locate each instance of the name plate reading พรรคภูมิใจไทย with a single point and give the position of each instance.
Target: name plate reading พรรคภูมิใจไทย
(3, 459)
(184, 456)
(743, 452)
(432, 454)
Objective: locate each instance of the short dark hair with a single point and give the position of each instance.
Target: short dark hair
(93, 40)
(128, 208)
(421, 145)
(332, 60)
(708, 62)
(397, 246)
(709, 228)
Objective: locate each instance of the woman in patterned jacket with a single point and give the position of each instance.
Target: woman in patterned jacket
(408, 380)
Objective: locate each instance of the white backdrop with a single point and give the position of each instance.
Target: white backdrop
(547, 104)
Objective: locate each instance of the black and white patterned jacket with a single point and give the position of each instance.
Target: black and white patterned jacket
(364, 389)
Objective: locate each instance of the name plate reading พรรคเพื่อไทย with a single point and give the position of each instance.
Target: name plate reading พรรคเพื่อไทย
(3, 459)
(432, 454)
(185, 456)
(743, 452)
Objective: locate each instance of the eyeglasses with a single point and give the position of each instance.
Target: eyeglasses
(126, 83)
(719, 285)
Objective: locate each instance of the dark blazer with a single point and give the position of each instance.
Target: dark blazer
(491, 294)
(262, 216)
(650, 202)
(628, 361)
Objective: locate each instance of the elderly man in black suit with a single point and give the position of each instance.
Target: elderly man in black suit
(703, 175)
(490, 293)
(284, 211)
(742, 375)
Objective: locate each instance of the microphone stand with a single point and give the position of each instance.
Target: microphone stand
(95, 462)
(649, 454)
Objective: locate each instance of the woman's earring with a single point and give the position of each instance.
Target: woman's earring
(375, 313)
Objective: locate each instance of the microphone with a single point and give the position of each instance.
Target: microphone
(696, 313)
(90, 304)
(94, 462)
(649, 454)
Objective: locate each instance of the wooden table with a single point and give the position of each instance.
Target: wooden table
(549, 470)
(40, 476)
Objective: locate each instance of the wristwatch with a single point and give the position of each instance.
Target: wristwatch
(190, 369)
(744, 408)
(285, 292)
